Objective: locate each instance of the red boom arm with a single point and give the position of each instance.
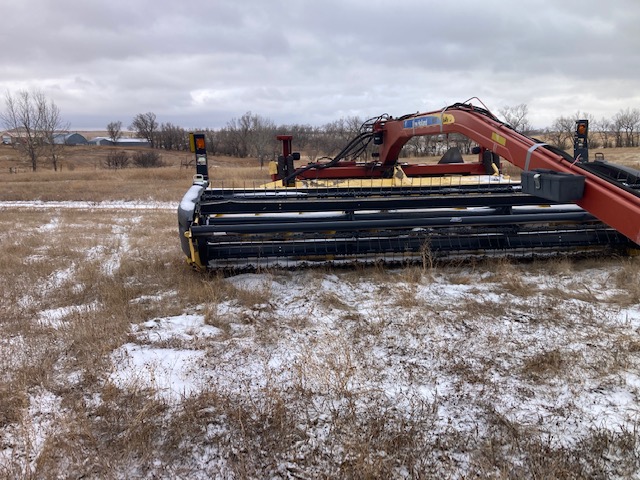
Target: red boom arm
(613, 205)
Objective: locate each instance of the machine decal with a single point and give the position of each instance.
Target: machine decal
(498, 139)
(428, 120)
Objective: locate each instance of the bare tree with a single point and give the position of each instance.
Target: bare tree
(147, 159)
(421, 146)
(35, 120)
(117, 159)
(172, 137)
(114, 130)
(604, 127)
(627, 121)
(616, 124)
(145, 126)
(584, 116)
(561, 131)
(517, 117)
(225, 142)
(52, 128)
(214, 141)
(339, 133)
(314, 143)
(262, 139)
(238, 132)
(301, 134)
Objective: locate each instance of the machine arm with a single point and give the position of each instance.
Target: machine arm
(613, 204)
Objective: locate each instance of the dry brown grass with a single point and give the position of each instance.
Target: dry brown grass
(337, 413)
(158, 184)
(545, 364)
(504, 441)
(83, 177)
(627, 279)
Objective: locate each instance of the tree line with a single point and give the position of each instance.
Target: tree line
(249, 135)
(38, 119)
(621, 130)
(253, 135)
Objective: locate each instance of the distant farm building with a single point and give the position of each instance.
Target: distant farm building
(101, 141)
(123, 142)
(69, 139)
(15, 136)
(7, 138)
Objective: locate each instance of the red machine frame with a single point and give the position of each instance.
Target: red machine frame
(613, 205)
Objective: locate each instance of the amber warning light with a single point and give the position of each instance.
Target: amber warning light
(581, 128)
(197, 143)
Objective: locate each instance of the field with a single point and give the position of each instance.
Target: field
(118, 361)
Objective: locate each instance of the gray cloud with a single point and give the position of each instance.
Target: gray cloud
(200, 63)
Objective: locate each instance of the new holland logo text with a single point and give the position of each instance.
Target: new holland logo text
(428, 120)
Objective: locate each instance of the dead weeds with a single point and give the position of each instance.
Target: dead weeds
(401, 377)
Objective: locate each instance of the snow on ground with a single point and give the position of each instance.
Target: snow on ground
(456, 346)
(39, 423)
(174, 373)
(444, 351)
(55, 317)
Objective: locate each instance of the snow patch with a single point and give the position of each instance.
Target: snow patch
(172, 374)
(55, 317)
(182, 327)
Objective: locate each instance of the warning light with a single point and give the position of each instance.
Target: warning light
(197, 143)
(582, 128)
(581, 142)
(198, 146)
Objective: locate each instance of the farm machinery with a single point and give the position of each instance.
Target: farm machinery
(366, 205)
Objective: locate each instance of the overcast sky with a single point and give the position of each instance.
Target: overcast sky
(199, 63)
